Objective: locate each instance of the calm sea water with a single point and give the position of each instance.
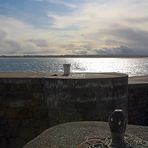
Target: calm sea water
(130, 66)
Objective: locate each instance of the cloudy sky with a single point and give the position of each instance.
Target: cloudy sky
(100, 27)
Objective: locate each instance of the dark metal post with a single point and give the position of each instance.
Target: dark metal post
(66, 69)
(117, 123)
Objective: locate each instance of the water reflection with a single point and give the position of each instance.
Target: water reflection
(130, 66)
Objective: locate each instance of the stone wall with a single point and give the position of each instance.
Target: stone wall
(30, 105)
(138, 104)
(23, 112)
(85, 99)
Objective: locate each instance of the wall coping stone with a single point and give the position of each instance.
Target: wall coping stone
(60, 75)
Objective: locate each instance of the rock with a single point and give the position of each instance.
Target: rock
(70, 135)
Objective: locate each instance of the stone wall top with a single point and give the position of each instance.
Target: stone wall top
(60, 75)
(138, 80)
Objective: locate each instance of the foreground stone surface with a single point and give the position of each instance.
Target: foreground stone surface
(70, 135)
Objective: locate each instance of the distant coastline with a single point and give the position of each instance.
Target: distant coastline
(72, 56)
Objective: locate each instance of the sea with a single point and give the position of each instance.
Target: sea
(130, 66)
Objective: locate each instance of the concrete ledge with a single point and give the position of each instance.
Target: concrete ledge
(69, 135)
(138, 80)
(131, 80)
(60, 75)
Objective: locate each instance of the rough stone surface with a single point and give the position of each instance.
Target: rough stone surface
(70, 135)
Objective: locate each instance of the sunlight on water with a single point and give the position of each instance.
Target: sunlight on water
(130, 66)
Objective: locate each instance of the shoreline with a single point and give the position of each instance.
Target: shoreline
(72, 56)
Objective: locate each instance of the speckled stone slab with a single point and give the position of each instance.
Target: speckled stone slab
(70, 135)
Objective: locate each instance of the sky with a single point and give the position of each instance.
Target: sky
(74, 27)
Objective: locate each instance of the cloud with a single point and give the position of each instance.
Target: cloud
(9, 47)
(39, 42)
(107, 25)
(59, 2)
(93, 15)
(18, 37)
(93, 27)
(121, 50)
(133, 37)
(2, 34)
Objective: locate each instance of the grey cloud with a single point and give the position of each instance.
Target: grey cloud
(121, 51)
(101, 52)
(80, 52)
(9, 47)
(136, 37)
(77, 51)
(13, 44)
(111, 42)
(3, 34)
(73, 49)
(137, 20)
(39, 42)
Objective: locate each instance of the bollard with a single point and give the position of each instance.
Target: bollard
(66, 69)
(117, 124)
